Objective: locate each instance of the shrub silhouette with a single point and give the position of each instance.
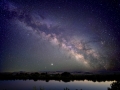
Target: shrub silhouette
(115, 86)
(66, 88)
(65, 74)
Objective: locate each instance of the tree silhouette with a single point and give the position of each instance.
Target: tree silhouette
(115, 86)
(66, 74)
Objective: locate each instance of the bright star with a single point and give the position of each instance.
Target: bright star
(51, 64)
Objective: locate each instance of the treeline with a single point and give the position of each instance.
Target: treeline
(66, 77)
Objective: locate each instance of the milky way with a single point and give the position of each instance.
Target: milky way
(52, 36)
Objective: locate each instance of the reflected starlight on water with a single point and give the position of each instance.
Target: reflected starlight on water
(54, 85)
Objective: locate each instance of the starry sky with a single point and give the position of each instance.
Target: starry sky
(59, 35)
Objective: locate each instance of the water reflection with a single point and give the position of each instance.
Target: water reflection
(54, 85)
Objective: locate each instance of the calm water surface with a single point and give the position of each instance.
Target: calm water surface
(53, 85)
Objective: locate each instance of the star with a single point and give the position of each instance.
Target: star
(51, 64)
(38, 35)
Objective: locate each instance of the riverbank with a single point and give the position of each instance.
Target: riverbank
(65, 76)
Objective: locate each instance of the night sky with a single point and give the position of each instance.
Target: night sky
(59, 35)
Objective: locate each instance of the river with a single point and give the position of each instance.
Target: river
(53, 85)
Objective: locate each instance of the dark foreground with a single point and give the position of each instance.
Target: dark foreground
(66, 77)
